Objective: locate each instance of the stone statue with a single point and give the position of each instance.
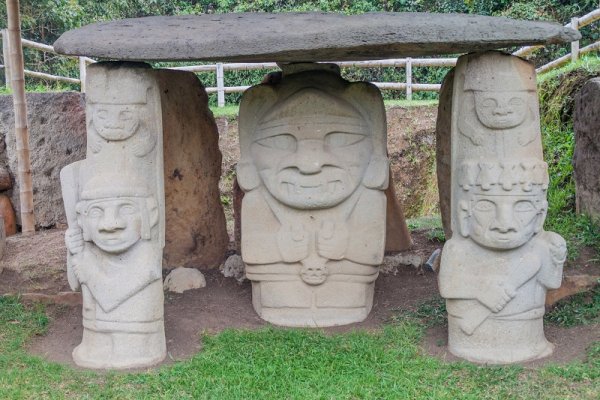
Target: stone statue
(115, 211)
(314, 167)
(497, 266)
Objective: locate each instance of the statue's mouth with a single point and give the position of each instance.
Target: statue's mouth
(312, 189)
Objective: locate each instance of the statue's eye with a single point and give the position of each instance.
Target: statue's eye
(102, 113)
(283, 142)
(524, 206)
(484, 206)
(96, 212)
(489, 103)
(127, 209)
(341, 139)
(516, 102)
(126, 115)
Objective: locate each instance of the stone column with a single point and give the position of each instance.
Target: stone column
(114, 202)
(313, 167)
(497, 266)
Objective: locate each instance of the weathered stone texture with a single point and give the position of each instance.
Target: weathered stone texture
(196, 233)
(586, 158)
(7, 213)
(443, 150)
(56, 138)
(293, 37)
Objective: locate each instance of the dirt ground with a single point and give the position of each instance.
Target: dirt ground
(225, 303)
(37, 265)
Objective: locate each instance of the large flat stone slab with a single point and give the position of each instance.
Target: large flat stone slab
(292, 37)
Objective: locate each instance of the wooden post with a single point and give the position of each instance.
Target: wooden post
(82, 73)
(408, 79)
(220, 85)
(20, 105)
(6, 56)
(575, 44)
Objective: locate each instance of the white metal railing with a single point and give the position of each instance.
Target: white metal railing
(408, 63)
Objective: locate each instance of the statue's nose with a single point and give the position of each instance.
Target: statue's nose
(504, 221)
(309, 156)
(111, 221)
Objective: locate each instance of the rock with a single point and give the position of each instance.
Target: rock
(181, 279)
(391, 263)
(397, 236)
(586, 157)
(234, 267)
(56, 138)
(196, 232)
(5, 179)
(8, 214)
(293, 37)
(443, 150)
(2, 242)
(572, 284)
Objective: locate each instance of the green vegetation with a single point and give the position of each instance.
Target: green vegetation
(45, 20)
(581, 309)
(557, 90)
(293, 364)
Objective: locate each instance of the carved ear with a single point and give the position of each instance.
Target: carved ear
(247, 176)
(377, 173)
(463, 218)
(152, 212)
(84, 230)
(541, 217)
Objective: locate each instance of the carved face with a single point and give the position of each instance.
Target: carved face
(309, 163)
(503, 221)
(114, 225)
(501, 110)
(116, 121)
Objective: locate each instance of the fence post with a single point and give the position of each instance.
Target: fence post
(82, 73)
(575, 44)
(220, 86)
(408, 79)
(6, 57)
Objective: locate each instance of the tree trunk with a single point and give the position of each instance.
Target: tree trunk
(21, 131)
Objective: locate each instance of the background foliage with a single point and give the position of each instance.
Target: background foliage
(45, 20)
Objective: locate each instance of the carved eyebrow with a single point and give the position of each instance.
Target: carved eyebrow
(269, 130)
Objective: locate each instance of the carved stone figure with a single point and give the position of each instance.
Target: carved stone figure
(497, 266)
(314, 167)
(114, 202)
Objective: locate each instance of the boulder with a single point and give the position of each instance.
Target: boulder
(586, 157)
(7, 213)
(234, 268)
(196, 233)
(5, 179)
(57, 137)
(572, 284)
(181, 279)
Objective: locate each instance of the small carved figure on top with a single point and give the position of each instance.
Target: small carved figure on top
(118, 109)
(115, 259)
(314, 167)
(502, 104)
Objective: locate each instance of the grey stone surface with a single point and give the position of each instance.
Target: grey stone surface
(182, 279)
(292, 37)
(234, 267)
(56, 138)
(586, 158)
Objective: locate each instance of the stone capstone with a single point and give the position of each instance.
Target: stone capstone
(586, 157)
(182, 279)
(309, 36)
(56, 124)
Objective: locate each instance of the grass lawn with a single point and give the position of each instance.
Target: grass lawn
(278, 363)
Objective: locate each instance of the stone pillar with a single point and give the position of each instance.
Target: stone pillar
(497, 266)
(114, 202)
(313, 167)
(586, 157)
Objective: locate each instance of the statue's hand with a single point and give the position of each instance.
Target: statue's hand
(557, 246)
(497, 296)
(332, 240)
(293, 242)
(74, 240)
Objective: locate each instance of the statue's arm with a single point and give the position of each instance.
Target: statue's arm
(555, 252)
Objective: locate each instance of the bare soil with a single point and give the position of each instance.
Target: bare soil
(37, 265)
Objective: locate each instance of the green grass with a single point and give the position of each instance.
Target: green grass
(581, 309)
(275, 363)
